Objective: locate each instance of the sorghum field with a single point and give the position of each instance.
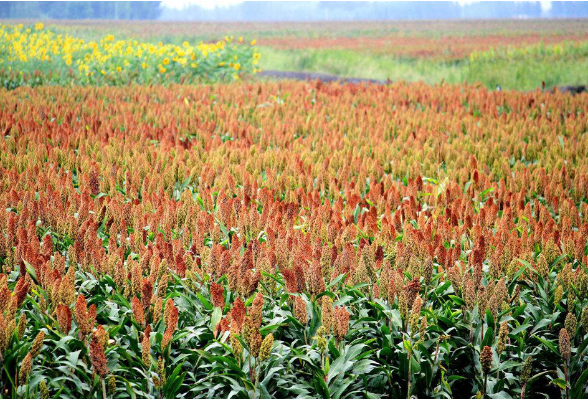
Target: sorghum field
(253, 239)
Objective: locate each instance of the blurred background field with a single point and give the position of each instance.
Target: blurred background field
(496, 53)
(509, 53)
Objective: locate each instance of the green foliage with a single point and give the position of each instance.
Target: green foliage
(514, 72)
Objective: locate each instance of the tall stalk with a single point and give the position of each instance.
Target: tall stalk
(566, 373)
(409, 374)
(103, 388)
(485, 386)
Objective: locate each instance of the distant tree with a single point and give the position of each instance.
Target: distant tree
(291, 10)
(530, 8)
(103, 9)
(49, 9)
(81, 9)
(19, 9)
(575, 9)
(6, 9)
(145, 9)
(76, 10)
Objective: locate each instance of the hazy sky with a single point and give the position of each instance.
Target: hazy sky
(210, 4)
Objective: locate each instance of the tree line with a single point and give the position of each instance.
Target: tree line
(292, 10)
(137, 10)
(377, 10)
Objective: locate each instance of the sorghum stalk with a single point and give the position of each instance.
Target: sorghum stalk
(565, 349)
(485, 384)
(409, 374)
(526, 374)
(257, 368)
(103, 388)
(250, 367)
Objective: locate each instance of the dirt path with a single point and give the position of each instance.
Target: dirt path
(311, 76)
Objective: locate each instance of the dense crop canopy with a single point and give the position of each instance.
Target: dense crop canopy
(293, 239)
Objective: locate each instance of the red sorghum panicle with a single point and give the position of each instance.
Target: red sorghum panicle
(22, 326)
(316, 284)
(564, 344)
(171, 315)
(81, 314)
(138, 313)
(217, 295)
(341, 322)
(300, 310)
(97, 357)
(37, 344)
(64, 317)
(412, 290)
(247, 329)
(238, 313)
(25, 369)
(415, 314)
(167, 338)
(486, 359)
(161, 378)
(255, 342)
(146, 292)
(102, 336)
(157, 310)
(327, 314)
(146, 347)
(20, 291)
(255, 312)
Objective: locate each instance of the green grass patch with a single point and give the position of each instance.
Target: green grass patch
(518, 73)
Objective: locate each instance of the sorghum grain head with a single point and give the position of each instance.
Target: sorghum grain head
(486, 359)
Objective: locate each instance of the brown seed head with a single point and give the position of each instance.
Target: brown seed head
(300, 310)
(341, 322)
(146, 347)
(217, 295)
(37, 344)
(571, 324)
(97, 357)
(526, 370)
(64, 318)
(138, 313)
(266, 347)
(255, 342)
(502, 337)
(564, 344)
(81, 314)
(25, 369)
(43, 390)
(486, 359)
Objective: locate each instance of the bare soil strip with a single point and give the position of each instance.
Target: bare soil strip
(311, 76)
